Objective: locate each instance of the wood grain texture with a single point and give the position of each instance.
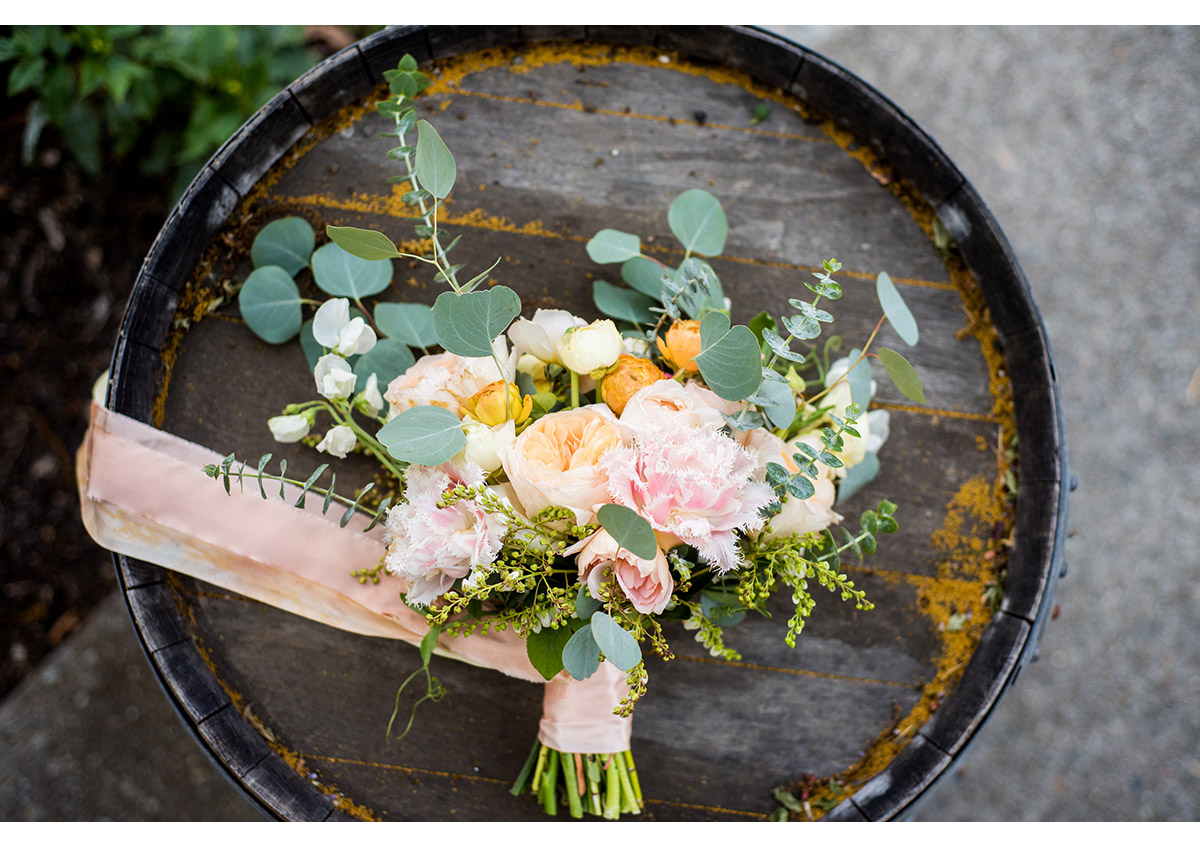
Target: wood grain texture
(899, 785)
(134, 373)
(153, 611)
(383, 50)
(549, 152)
(993, 664)
(132, 573)
(875, 120)
(150, 312)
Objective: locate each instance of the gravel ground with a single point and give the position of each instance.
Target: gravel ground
(1084, 144)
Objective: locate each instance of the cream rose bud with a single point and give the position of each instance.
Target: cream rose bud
(596, 346)
(540, 336)
(338, 441)
(484, 443)
(334, 329)
(334, 378)
(291, 428)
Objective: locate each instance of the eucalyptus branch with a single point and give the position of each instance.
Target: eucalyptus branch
(846, 375)
(428, 214)
(225, 474)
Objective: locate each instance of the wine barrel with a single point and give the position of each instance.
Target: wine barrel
(558, 132)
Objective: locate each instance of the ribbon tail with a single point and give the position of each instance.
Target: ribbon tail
(144, 493)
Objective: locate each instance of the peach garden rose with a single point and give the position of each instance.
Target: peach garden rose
(669, 403)
(556, 461)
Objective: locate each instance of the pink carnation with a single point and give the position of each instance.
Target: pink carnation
(694, 483)
(430, 547)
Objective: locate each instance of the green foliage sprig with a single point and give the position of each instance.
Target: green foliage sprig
(225, 473)
(434, 690)
(171, 94)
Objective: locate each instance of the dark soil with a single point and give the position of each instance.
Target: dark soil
(70, 248)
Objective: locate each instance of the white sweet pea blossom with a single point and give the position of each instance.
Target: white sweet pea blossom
(540, 336)
(334, 329)
(370, 400)
(290, 428)
(334, 378)
(338, 441)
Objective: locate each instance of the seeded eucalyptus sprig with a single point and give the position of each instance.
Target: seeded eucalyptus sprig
(807, 324)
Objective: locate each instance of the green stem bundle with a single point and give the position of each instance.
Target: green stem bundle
(604, 784)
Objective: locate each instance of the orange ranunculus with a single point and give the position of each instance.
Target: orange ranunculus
(682, 344)
(629, 376)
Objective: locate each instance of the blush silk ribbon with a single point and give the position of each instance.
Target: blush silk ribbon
(143, 493)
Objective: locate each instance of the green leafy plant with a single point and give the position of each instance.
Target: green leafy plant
(168, 95)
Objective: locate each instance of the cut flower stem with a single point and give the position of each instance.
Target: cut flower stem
(603, 784)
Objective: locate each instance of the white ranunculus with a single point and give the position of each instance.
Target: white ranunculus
(485, 442)
(585, 350)
(338, 441)
(540, 336)
(636, 346)
(290, 428)
(334, 329)
(334, 378)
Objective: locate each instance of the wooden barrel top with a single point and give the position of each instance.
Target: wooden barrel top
(556, 136)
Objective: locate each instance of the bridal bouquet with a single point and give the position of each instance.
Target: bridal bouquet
(576, 481)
